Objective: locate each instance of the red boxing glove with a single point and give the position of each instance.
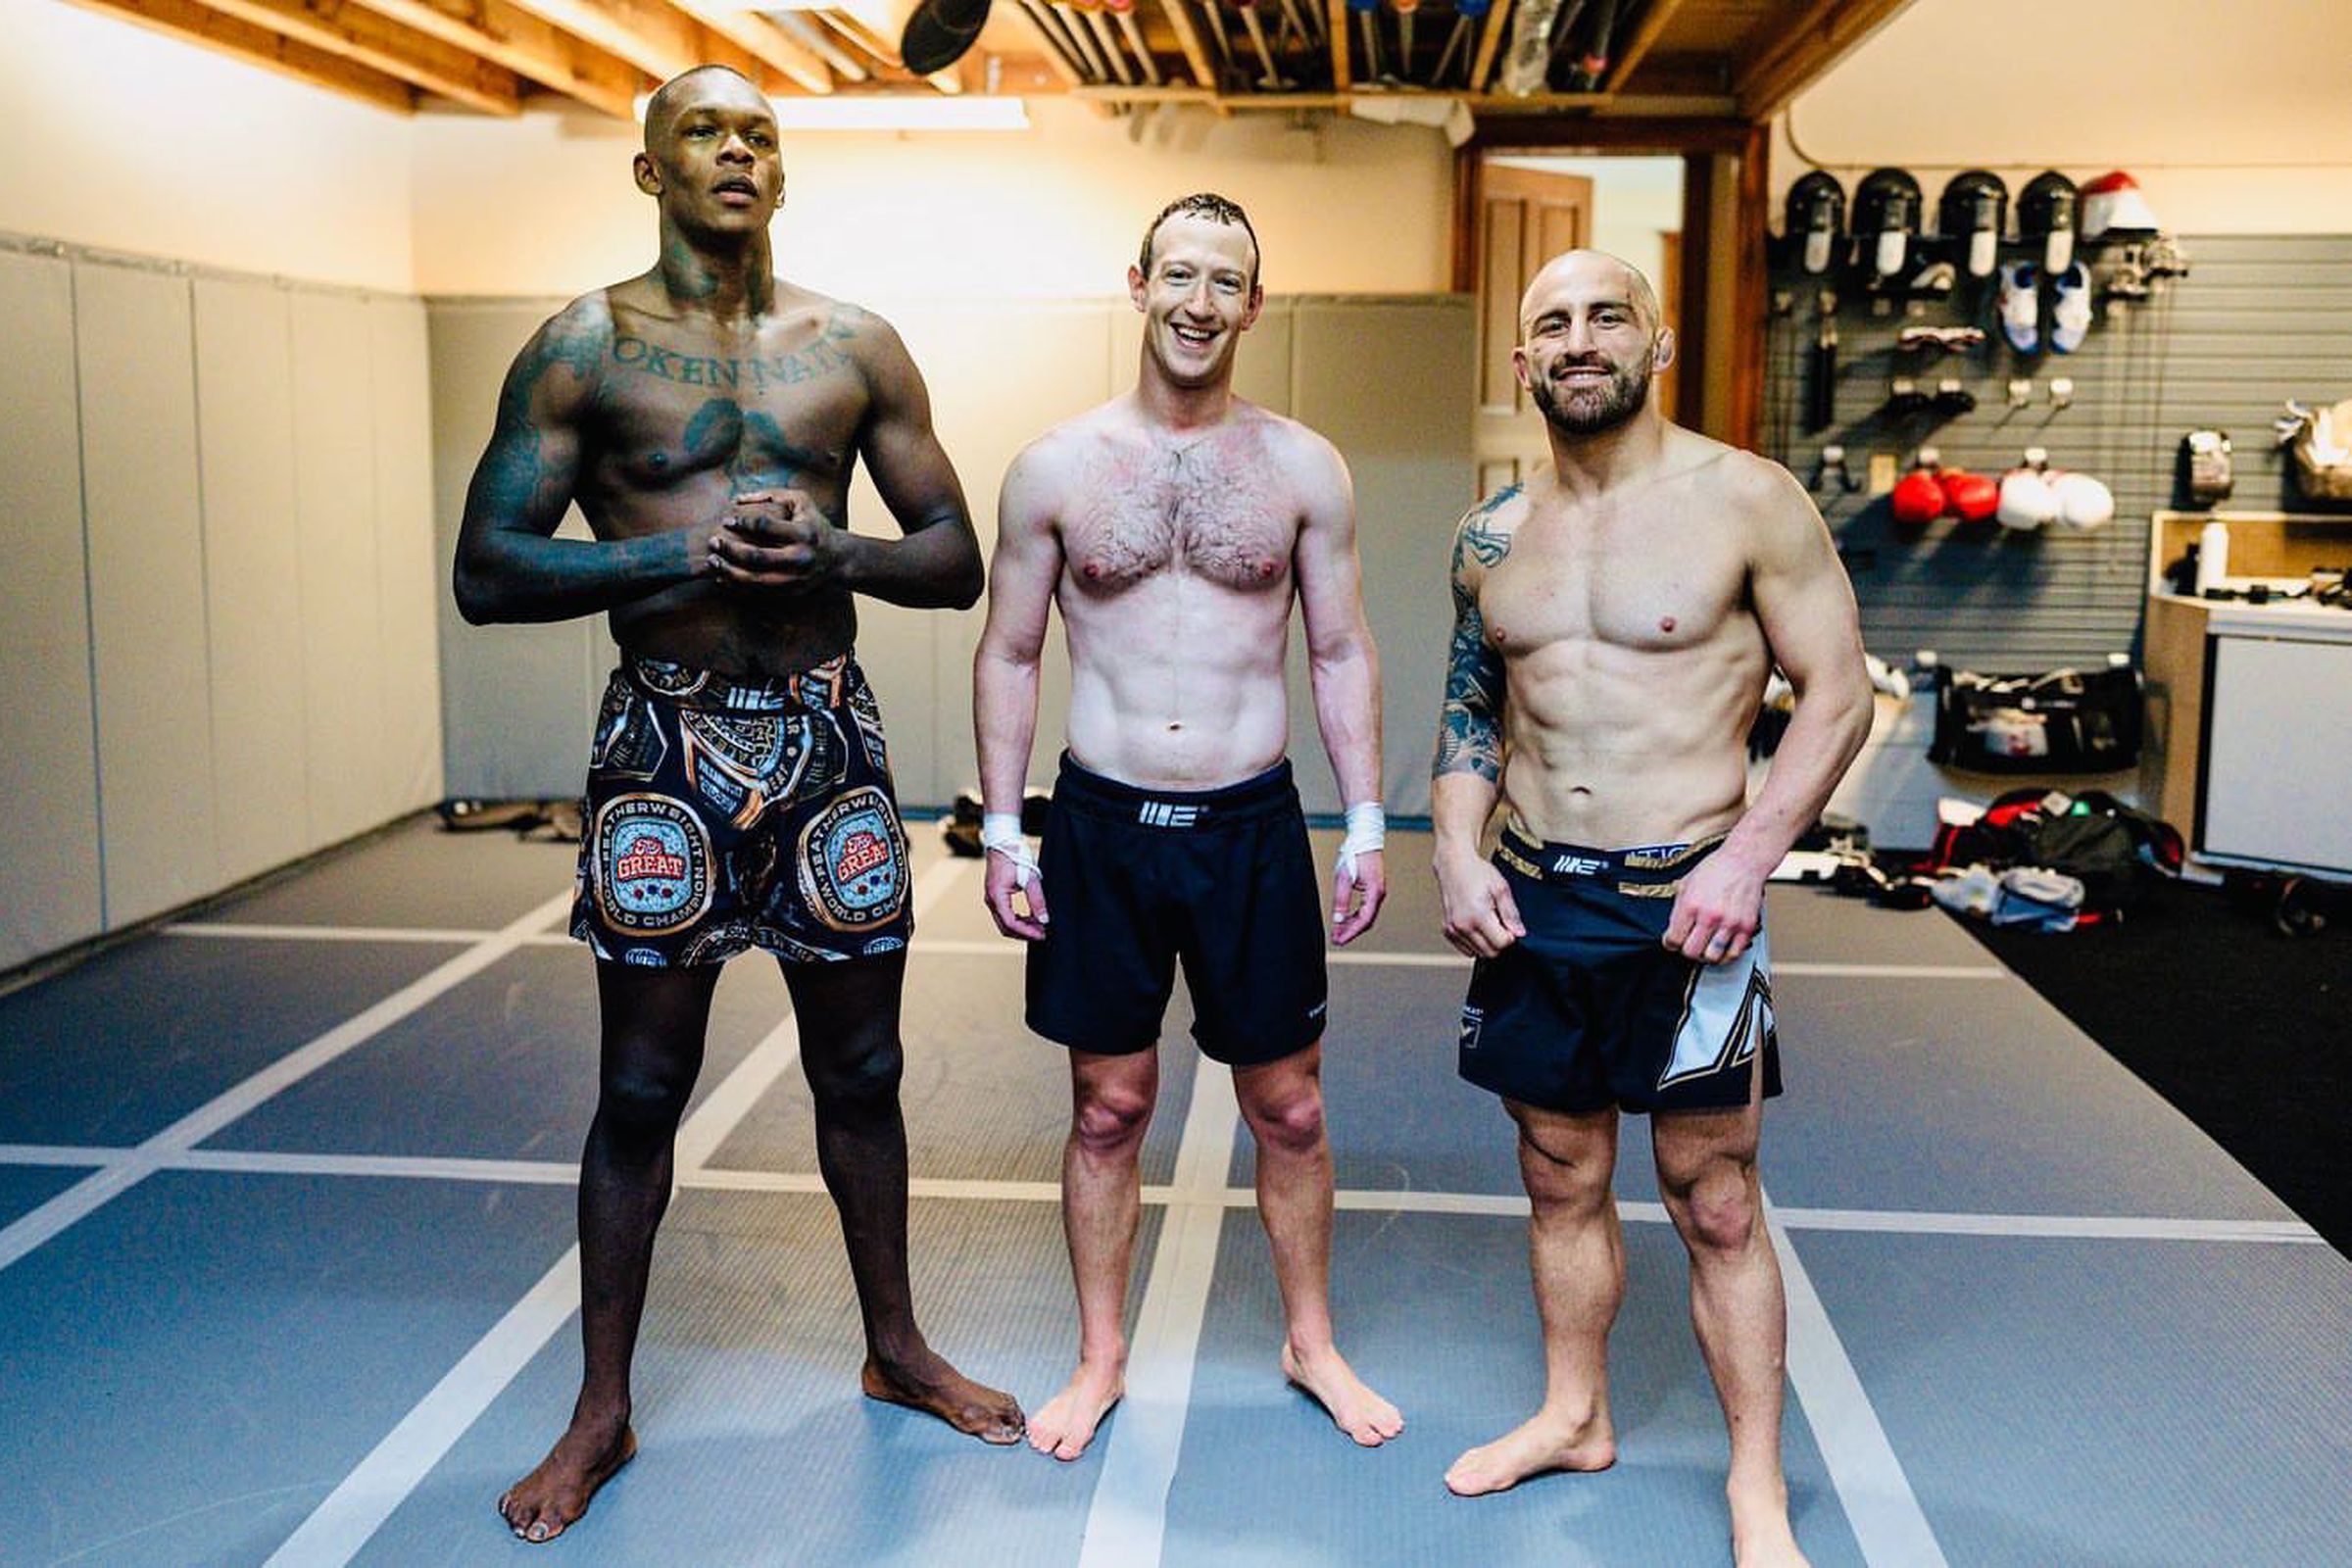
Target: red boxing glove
(1917, 500)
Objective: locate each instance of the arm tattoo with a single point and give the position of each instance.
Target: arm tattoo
(1470, 723)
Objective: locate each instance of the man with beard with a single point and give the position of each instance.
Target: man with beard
(1616, 619)
(707, 416)
(1174, 527)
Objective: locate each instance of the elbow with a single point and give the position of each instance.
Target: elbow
(478, 600)
(964, 592)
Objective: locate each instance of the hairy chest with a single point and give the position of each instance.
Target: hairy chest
(1208, 511)
(782, 409)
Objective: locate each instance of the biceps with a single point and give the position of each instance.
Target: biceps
(911, 473)
(525, 478)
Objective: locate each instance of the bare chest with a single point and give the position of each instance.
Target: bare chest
(1210, 513)
(779, 411)
(1608, 588)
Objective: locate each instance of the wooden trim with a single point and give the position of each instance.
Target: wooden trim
(527, 46)
(1744, 335)
(1692, 338)
(1653, 23)
(242, 41)
(1798, 55)
(1612, 133)
(1469, 193)
(367, 39)
(1335, 23)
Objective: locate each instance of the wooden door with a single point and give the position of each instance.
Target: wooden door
(1525, 218)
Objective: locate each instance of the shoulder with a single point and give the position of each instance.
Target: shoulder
(1053, 462)
(1306, 456)
(583, 325)
(1484, 535)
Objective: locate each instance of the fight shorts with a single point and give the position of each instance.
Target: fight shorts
(725, 814)
(1138, 879)
(1590, 1009)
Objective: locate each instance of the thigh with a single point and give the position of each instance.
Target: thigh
(1100, 981)
(1565, 1155)
(1253, 947)
(652, 1022)
(1692, 1145)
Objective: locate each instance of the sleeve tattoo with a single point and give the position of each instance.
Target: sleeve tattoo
(1470, 723)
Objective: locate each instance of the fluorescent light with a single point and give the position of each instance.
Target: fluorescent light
(907, 111)
(899, 112)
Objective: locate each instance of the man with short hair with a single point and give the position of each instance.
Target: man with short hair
(707, 416)
(1174, 527)
(1616, 619)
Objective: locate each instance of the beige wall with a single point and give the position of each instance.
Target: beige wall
(547, 206)
(124, 139)
(2233, 118)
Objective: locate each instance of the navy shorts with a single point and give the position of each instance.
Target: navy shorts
(726, 814)
(1138, 880)
(1590, 1010)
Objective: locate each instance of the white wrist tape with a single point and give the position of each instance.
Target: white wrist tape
(1367, 834)
(1000, 834)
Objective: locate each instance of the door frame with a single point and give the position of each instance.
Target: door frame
(1720, 341)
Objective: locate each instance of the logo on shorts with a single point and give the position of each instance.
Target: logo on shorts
(653, 864)
(1578, 866)
(1474, 1020)
(1160, 813)
(853, 861)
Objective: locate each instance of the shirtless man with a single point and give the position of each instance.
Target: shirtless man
(1615, 618)
(707, 416)
(1173, 526)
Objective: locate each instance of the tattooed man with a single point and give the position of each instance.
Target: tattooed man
(1615, 617)
(1174, 527)
(707, 416)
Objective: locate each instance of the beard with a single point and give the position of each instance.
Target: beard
(1589, 410)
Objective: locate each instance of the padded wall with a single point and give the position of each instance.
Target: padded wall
(49, 883)
(220, 522)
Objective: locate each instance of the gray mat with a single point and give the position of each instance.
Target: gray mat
(1435, 1312)
(416, 876)
(25, 1188)
(184, 1387)
(758, 1448)
(2028, 1115)
(2175, 1404)
(119, 1047)
(502, 1068)
(984, 1097)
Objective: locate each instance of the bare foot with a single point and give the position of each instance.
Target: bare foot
(1353, 1407)
(928, 1384)
(547, 1501)
(1760, 1533)
(1066, 1425)
(1545, 1443)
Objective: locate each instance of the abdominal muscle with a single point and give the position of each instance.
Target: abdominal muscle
(1176, 683)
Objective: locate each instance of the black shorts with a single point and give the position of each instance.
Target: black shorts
(725, 814)
(1590, 1009)
(1136, 879)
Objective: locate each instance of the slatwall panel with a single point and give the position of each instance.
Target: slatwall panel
(2259, 319)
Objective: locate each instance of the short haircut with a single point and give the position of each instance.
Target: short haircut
(1200, 204)
(661, 108)
(1640, 293)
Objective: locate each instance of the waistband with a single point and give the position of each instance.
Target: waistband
(1651, 868)
(1082, 789)
(818, 686)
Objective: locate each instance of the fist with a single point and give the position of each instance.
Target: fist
(772, 539)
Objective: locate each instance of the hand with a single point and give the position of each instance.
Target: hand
(1356, 902)
(1718, 912)
(1003, 882)
(1482, 918)
(775, 539)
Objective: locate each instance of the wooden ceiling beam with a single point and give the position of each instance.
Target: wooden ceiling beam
(1187, 38)
(764, 40)
(369, 40)
(1490, 45)
(655, 37)
(1825, 32)
(1335, 23)
(1653, 23)
(241, 40)
(526, 45)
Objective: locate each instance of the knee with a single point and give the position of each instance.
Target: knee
(1109, 1121)
(644, 1101)
(1718, 1214)
(1293, 1124)
(861, 1082)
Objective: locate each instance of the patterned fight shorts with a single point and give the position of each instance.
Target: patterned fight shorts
(725, 814)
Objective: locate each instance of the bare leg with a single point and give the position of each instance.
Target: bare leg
(847, 1014)
(1283, 1104)
(1707, 1175)
(1101, 1200)
(1578, 1255)
(653, 1023)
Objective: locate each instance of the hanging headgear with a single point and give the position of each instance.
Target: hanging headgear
(1970, 216)
(2045, 211)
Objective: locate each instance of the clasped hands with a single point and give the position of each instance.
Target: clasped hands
(773, 539)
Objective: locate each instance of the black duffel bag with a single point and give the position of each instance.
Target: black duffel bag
(2064, 721)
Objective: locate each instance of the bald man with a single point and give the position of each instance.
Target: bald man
(707, 416)
(1615, 618)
